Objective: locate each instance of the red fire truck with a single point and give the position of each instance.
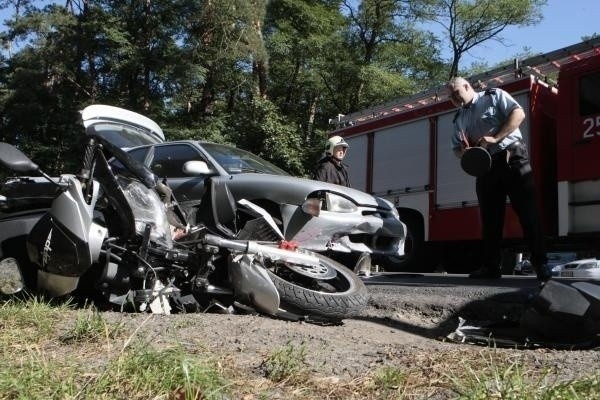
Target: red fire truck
(401, 151)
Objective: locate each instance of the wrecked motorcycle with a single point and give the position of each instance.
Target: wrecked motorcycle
(117, 235)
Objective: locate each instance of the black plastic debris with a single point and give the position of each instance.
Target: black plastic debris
(561, 316)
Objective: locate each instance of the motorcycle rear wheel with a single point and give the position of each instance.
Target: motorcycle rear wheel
(337, 298)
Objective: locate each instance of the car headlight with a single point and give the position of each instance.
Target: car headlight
(336, 203)
(393, 209)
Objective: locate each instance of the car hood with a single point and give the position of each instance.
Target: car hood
(291, 189)
(98, 120)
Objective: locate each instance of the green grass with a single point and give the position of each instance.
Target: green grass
(90, 326)
(35, 376)
(138, 373)
(286, 363)
(26, 322)
(515, 381)
(143, 373)
(55, 351)
(42, 357)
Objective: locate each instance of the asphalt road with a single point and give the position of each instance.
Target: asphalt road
(507, 282)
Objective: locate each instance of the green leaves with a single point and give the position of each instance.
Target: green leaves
(266, 75)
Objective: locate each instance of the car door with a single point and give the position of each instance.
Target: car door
(167, 162)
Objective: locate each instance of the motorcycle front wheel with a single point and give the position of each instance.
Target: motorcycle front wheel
(331, 291)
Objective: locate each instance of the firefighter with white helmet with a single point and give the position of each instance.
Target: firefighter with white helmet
(330, 168)
(334, 142)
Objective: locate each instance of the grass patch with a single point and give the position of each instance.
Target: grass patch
(504, 379)
(286, 363)
(29, 321)
(34, 376)
(456, 374)
(41, 361)
(389, 382)
(90, 326)
(143, 373)
(138, 373)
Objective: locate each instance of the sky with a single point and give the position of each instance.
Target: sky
(564, 23)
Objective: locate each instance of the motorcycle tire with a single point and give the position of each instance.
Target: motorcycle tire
(341, 297)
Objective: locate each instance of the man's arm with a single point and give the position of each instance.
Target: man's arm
(463, 144)
(514, 120)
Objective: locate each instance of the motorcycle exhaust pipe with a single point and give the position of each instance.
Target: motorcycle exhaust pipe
(273, 252)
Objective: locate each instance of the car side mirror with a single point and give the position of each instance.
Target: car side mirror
(196, 168)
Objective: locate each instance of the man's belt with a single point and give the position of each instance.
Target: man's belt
(509, 148)
(514, 145)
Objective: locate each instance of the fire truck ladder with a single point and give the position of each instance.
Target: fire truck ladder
(544, 67)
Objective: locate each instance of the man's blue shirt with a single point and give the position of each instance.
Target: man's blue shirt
(483, 117)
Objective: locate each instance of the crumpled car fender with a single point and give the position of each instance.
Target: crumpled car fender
(332, 230)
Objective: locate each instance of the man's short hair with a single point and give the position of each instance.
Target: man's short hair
(458, 80)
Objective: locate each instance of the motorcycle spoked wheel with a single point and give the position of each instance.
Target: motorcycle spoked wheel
(319, 295)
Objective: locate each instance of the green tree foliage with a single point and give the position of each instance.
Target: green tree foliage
(299, 35)
(263, 75)
(39, 109)
(388, 55)
(260, 126)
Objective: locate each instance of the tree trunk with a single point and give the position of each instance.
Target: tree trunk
(312, 111)
(261, 72)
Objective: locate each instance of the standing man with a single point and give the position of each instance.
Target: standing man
(491, 119)
(330, 168)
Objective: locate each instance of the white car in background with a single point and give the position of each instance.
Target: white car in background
(588, 268)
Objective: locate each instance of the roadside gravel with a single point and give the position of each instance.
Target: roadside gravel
(404, 325)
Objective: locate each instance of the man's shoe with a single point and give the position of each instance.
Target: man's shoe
(486, 273)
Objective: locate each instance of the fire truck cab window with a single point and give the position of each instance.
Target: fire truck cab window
(589, 95)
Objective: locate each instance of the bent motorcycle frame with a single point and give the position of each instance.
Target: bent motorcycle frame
(66, 241)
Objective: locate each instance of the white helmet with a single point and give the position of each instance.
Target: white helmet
(335, 141)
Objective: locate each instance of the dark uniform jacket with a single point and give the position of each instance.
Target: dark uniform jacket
(329, 171)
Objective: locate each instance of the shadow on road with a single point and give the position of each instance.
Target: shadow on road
(504, 305)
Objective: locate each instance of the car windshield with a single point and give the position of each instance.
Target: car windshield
(237, 161)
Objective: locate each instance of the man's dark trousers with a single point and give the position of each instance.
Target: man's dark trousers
(510, 175)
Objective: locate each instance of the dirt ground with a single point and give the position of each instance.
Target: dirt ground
(400, 326)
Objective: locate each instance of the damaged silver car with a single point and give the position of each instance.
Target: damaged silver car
(316, 215)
